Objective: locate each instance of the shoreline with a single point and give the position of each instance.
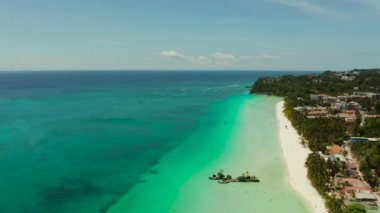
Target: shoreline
(246, 149)
(290, 143)
(241, 144)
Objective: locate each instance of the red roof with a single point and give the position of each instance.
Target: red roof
(355, 188)
(354, 185)
(351, 181)
(335, 149)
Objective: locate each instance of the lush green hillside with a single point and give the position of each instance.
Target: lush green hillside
(328, 82)
(320, 131)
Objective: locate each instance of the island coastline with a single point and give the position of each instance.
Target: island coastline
(294, 155)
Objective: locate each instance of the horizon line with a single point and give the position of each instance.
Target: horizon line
(163, 70)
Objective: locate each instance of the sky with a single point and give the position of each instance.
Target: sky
(189, 34)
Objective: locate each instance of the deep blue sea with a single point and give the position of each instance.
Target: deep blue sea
(79, 140)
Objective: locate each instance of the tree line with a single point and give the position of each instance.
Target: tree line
(323, 131)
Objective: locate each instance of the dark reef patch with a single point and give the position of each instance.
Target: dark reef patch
(68, 189)
(108, 206)
(140, 181)
(154, 171)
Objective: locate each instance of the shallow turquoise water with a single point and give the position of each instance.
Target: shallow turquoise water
(82, 141)
(244, 139)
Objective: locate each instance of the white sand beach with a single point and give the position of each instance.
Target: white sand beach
(244, 139)
(295, 157)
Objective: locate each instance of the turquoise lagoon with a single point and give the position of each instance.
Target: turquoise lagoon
(138, 142)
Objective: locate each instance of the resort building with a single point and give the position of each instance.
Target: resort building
(347, 78)
(331, 99)
(319, 98)
(317, 112)
(364, 195)
(376, 96)
(368, 95)
(343, 98)
(334, 149)
(351, 185)
(349, 116)
(358, 139)
(337, 157)
(352, 166)
(344, 106)
(299, 109)
(372, 116)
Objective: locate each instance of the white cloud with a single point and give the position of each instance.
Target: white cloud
(223, 58)
(245, 57)
(214, 58)
(219, 58)
(269, 56)
(201, 60)
(171, 54)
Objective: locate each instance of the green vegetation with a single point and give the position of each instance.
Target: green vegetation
(373, 106)
(326, 82)
(371, 128)
(334, 205)
(317, 172)
(319, 132)
(298, 88)
(333, 167)
(368, 155)
(355, 208)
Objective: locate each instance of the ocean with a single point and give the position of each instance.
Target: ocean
(138, 141)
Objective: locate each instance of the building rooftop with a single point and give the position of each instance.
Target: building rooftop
(339, 157)
(352, 165)
(364, 196)
(358, 139)
(335, 149)
(352, 182)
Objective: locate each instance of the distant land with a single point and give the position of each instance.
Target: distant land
(337, 114)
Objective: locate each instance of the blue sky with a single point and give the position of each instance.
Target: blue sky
(189, 35)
